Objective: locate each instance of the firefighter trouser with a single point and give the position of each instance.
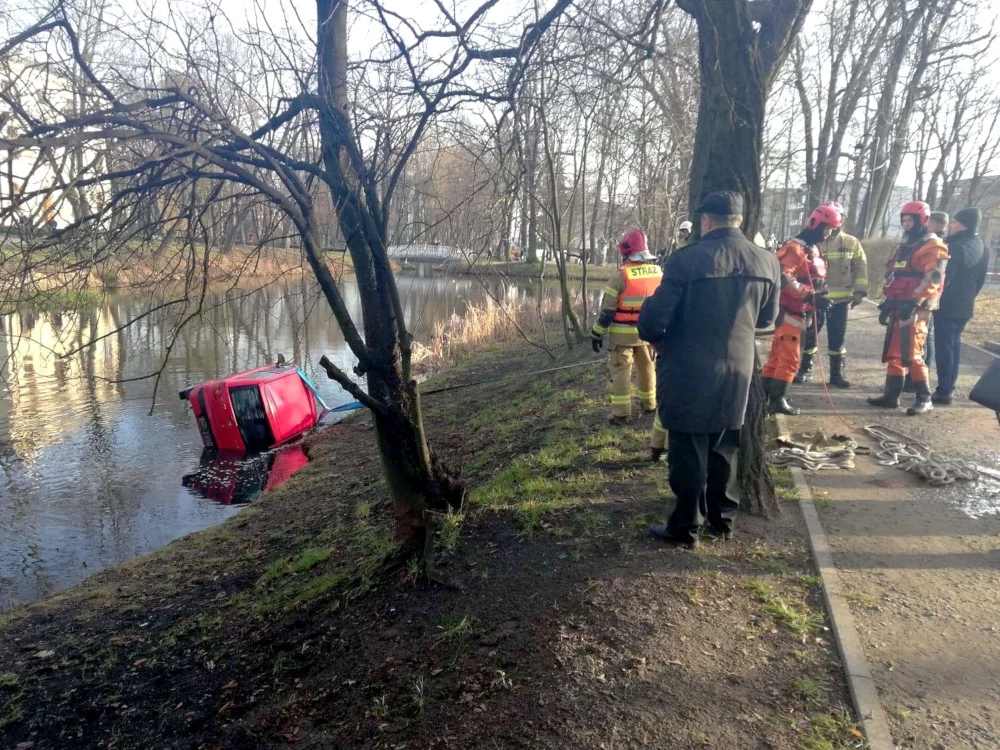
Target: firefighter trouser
(621, 378)
(659, 437)
(783, 361)
(904, 346)
(836, 327)
(809, 340)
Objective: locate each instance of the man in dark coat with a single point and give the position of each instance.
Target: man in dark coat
(701, 321)
(964, 278)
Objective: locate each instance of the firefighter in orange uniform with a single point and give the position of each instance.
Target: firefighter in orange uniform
(914, 280)
(638, 278)
(803, 290)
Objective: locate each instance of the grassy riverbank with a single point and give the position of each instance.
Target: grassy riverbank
(572, 629)
(50, 280)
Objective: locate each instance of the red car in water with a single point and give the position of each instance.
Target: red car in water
(255, 410)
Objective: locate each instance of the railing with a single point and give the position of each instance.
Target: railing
(425, 252)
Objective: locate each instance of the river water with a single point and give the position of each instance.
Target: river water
(88, 478)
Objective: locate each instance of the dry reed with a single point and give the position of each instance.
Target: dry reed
(483, 325)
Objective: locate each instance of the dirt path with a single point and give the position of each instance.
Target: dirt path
(921, 563)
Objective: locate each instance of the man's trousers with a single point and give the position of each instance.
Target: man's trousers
(948, 337)
(703, 477)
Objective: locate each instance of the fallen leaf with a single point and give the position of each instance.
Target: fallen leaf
(226, 706)
(230, 685)
(47, 654)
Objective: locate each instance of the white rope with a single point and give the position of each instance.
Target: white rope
(812, 460)
(815, 452)
(909, 454)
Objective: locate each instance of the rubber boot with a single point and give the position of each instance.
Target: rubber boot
(923, 404)
(890, 397)
(837, 379)
(778, 404)
(805, 373)
(657, 454)
(908, 386)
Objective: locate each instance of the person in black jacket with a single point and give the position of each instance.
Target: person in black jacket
(701, 321)
(964, 278)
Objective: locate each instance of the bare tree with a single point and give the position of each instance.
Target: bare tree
(182, 142)
(925, 36)
(832, 73)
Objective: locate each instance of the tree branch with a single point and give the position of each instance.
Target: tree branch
(335, 373)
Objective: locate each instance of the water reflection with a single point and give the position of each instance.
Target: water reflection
(87, 478)
(238, 479)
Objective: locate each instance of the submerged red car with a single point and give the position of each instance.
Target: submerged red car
(255, 410)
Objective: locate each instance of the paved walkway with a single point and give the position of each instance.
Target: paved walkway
(920, 564)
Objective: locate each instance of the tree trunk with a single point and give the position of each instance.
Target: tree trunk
(739, 55)
(757, 493)
(417, 482)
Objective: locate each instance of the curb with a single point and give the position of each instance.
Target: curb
(859, 676)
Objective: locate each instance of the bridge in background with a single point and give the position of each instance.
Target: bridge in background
(425, 253)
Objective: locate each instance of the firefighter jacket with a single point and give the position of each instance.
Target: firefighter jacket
(623, 298)
(803, 273)
(916, 272)
(701, 320)
(846, 266)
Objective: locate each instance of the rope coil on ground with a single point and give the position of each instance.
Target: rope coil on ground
(909, 454)
(815, 452)
(811, 460)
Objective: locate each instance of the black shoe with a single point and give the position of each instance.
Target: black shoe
(941, 399)
(778, 404)
(837, 379)
(661, 533)
(805, 373)
(923, 403)
(657, 454)
(890, 398)
(618, 420)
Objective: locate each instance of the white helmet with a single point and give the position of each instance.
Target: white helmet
(685, 225)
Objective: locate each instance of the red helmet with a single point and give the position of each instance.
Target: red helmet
(632, 241)
(828, 213)
(919, 209)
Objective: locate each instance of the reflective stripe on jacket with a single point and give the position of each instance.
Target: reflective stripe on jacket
(623, 298)
(640, 281)
(846, 266)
